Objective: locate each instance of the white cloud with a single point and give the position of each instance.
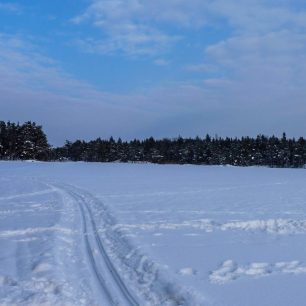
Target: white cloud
(131, 40)
(277, 58)
(144, 26)
(259, 16)
(185, 13)
(137, 27)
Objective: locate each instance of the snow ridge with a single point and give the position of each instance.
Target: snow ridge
(230, 270)
(270, 226)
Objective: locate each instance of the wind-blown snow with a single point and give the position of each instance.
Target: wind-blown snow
(141, 234)
(230, 271)
(270, 226)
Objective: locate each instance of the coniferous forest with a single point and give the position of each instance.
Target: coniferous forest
(28, 141)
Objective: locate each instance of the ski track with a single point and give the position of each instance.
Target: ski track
(23, 195)
(109, 272)
(148, 285)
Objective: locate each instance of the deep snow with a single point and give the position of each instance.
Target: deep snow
(107, 234)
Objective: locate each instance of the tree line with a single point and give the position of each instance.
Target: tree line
(245, 151)
(28, 141)
(23, 142)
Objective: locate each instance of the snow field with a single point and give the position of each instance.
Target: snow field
(151, 235)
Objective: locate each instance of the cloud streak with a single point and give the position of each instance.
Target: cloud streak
(146, 27)
(126, 28)
(10, 7)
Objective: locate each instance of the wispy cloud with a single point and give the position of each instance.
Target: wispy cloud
(253, 16)
(267, 68)
(135, 27)
(146, 27)
(201, 67)
(161, 62)
(130, 40)
(10, 7)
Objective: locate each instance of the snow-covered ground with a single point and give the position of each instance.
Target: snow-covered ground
(141, 234)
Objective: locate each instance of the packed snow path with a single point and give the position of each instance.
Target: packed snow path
(60, 257)
(113, 289)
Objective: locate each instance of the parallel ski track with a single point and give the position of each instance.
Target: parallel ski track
(90, 228)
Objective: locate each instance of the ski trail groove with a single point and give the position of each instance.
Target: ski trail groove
(92, 259)
(104, 270)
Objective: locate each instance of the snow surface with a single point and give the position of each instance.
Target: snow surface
(142, 234)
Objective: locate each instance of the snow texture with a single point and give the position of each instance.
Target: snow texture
(141, 234)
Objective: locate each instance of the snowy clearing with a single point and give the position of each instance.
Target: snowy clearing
(141, 234)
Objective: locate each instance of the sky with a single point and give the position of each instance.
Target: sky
(138, 68)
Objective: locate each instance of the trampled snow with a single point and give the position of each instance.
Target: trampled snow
(142, 234)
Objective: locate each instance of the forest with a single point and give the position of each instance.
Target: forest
(28, 141)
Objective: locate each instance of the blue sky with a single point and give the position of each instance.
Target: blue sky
(136, 68)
